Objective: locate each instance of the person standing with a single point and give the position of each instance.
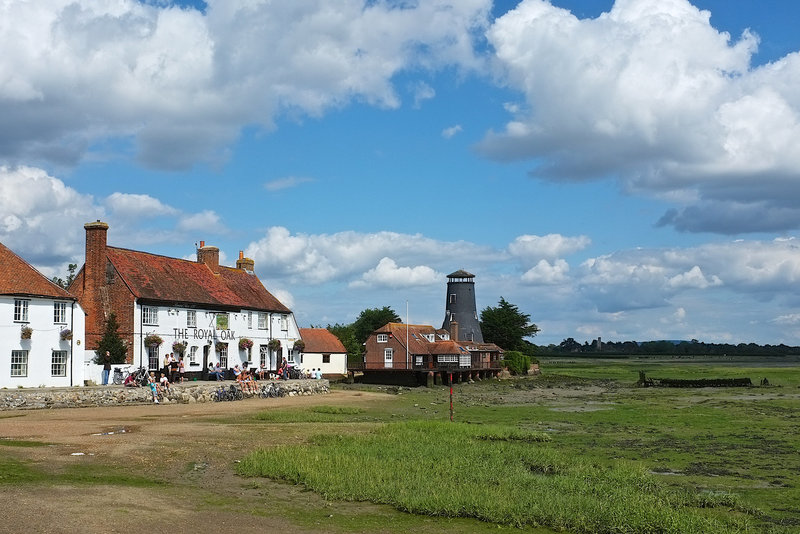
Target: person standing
(181, 369)
(106, 367)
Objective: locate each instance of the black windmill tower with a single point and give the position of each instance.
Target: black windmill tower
(460, 308)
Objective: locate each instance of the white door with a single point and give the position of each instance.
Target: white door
(387, 358)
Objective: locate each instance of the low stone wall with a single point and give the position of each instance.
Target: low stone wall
(188, 393)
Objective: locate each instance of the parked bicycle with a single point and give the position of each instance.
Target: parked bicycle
(271, 391)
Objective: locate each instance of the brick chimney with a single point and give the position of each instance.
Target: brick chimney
(208, 255)
(245, 264)
(454, 330)
(95, 267)
(94, 280)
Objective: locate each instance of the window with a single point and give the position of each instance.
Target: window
(19, 363)
(192, 354)
(387, 357)
(263, 353)
(21, 311)
(447, 358)
(249, 319)
(59, 314)
(191, 319)
(383, 338)
(152, 358)
(418, 360)
(284, 323)
(326, 358)
(150, 316)
(430, 337)
(58, 364)
(222, 348)
(452, 298)
(262, 321)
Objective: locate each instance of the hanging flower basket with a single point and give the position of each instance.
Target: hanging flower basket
(153, 340)
(245, 343)
(299, 345)
(274, 344)
(179, 346)
(220, 346)
(65, 334)
(26, 332)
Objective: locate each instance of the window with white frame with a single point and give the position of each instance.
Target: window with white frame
(150, 315)
(249, 319)
(21, 310)
(59, 314)
(263, 353)
(262, 321)
(452, 298)
(222, 349)
(152, 358)
(418, 360)
(19, 363)
(58, 363)
(447, 358)
(284, 323)
(191, 319)
(193, 354)
(383, 338)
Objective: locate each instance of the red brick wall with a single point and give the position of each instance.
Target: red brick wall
(100, 291)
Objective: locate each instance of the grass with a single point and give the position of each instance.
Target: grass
(492, 473)
(619, 459)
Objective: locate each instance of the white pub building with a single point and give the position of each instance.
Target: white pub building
(199, 310)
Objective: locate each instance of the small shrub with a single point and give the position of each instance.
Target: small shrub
(517, 362)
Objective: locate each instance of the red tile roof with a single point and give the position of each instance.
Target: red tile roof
(165, 279)
(417, 342)
(321, 340)
(18, 277)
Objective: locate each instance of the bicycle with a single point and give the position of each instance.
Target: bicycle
(117, 379)
(271, 391)
(220, 394)
(234, 393)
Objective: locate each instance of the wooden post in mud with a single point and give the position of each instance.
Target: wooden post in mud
(451, 397)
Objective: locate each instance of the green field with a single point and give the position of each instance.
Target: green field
(580, 448)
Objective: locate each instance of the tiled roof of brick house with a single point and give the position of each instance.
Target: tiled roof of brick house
(417, 342)
(321, 340)
(151, 277)
(18, 277)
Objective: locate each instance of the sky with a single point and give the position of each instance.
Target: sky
(622, 169)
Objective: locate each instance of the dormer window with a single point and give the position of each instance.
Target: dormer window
(383, 338)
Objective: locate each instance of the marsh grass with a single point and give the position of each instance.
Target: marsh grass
(492, 473)
(13, 471)
(315, 414)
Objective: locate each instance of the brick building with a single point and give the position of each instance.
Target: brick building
(201, 310)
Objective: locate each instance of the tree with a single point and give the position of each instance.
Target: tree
(345, 334)
(507, 327)
(370, 320)
(111, 342)
(71, 268)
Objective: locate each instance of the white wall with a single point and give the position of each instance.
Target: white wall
(45, 339)
(172, 326)
(337, 365)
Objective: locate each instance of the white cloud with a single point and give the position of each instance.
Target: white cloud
(344, 256)
(43, 218)
(286, 183)
(134, 205)
(550, 246)
(206, 220)
(447, 133)
(422, 91)
(182, 83)
(652, 94)
(545, 273)
(387, 273)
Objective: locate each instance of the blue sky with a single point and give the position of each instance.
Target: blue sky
(620, 169)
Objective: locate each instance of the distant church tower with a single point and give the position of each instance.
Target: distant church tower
(460, 308)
